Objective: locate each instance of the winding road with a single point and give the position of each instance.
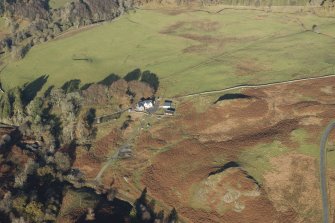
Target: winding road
(323, 171)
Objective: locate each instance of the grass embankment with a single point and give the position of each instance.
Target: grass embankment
(190, 51)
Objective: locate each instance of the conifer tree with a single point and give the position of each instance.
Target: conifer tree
(173, 216)
(18, 109)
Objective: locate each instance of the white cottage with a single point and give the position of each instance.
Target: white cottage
(144, 105)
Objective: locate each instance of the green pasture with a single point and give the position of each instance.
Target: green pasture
(305, 147)
(191, 51)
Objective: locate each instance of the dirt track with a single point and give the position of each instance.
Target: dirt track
(240, 87)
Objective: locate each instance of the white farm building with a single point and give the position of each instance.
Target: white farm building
(144, 105)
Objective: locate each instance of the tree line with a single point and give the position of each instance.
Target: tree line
(37, 158)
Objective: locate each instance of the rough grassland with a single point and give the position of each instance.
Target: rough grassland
(190, 51)
(2, 23)
(257, 160)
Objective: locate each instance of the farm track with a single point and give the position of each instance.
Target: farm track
(219, 57)
(227, 7)
(106, 165)
(83, 28)
(7, 126)
(255, 86)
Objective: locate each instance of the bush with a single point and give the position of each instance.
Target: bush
(18, 108)
(315, 29)
(18, 52)
(90, 117)
(173, 216)
(63, 161)
(35, 212)
(5, 106)
(71, 86)
(19, 203)
(34, 109)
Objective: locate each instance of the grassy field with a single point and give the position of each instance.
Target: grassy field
(54, 4)
(257, 160)
(307, 148)
(190, 51)
(3, 27)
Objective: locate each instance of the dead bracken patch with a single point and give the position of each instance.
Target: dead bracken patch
(103, 147)
(88, 164)
(195, 30)
(196, 141)
(294, 184)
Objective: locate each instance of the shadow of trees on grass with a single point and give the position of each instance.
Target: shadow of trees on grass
(109, 80)
(31, 89)
(232, 97)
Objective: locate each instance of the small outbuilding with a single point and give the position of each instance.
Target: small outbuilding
(169, 111)
(167, 104)
(125, 152)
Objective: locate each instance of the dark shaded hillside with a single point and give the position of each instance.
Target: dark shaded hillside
(26, 9)
(90, 11)
(94, 10)
(43, 23)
